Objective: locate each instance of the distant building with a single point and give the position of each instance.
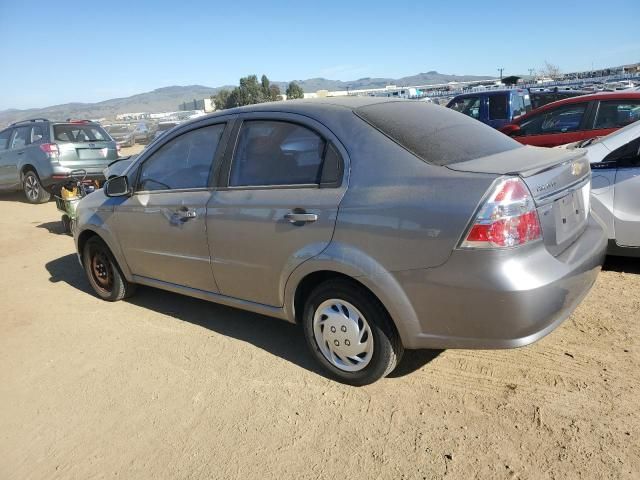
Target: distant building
(204, 104)
(133, 116)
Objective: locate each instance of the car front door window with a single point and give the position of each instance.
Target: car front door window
(21, 137)
(182, 163)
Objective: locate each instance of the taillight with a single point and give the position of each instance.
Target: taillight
(51, 149)
(508, 218)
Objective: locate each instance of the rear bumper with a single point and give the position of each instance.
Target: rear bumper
(495, 299)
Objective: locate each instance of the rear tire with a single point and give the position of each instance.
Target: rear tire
(33, 189)
(350, 333)
(103, 272)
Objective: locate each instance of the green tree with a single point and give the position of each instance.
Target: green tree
(220, 99)
(274, 93)
(294, 91)
(248, 93)
(264, 81)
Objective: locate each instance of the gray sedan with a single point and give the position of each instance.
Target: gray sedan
(375, 224)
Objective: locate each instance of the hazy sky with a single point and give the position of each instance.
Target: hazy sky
(56, 52)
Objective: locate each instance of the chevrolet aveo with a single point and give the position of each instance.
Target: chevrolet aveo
(376, 224)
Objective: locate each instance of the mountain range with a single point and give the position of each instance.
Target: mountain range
(168, 98)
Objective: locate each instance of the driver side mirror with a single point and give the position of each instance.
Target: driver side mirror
(512, 130)
(117, 187)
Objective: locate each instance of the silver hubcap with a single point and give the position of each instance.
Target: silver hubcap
(31, 187)
(343, 335)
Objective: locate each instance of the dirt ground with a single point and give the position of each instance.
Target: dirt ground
(164, 386)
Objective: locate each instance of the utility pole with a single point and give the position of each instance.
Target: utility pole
(531, 72)
(500, 70)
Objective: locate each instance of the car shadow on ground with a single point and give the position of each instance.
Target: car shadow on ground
(13, 197)
(277, 337)
(622, 264)
(53, 227)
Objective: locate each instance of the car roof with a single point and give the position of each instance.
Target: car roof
(311, 107)
(580, 99)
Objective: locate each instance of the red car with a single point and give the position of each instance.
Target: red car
(576, 118)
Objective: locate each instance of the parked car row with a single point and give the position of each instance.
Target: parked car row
(577, 116)
(128, 134)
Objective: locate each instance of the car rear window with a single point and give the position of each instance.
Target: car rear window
(435, 134)
(76, 133)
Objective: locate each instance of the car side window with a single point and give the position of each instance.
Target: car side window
(37, 134)
(627, 156)
(617, 113)
(518, 105)
(4, 139)
(470, 106)
(271, 152)
(21, 137)
(563, 119)
(183, 162)
(498, 107)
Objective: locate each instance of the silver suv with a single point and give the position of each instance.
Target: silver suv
(377, 225)
(38, 155)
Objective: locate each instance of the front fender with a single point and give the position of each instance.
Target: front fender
(94, 214)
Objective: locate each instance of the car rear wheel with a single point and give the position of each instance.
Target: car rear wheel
(350, 334)
(33, 189)
(103, 272)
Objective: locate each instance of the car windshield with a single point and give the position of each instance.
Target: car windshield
(118, 128)
(78, 133)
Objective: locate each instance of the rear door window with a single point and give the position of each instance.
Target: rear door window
(498, 107)
(4, 139)
(470, 106)
(271, 152)
(21, 137)
(37, 134)
(78, 133)
(617, 113)
(563, 119)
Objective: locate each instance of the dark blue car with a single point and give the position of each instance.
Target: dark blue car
(496, 108)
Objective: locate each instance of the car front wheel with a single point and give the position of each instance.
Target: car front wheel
(350, 334)
(103, 272)
(33, 189)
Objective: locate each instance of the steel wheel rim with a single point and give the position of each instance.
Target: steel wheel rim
(31, 187)
(343, 335)
(101, 271)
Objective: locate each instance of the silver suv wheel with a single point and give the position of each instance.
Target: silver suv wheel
(31, 187)
(343, 335)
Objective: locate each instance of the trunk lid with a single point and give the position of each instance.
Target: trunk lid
(559, 181)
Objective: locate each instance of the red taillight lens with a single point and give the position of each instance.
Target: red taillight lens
(507, 219)
(50, 148)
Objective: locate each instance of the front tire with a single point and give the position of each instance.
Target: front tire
(350, 333)
(33, 189)
(103, 272)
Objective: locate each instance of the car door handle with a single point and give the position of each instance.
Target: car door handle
(20, 153)
(301, 217)
(186, 213)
